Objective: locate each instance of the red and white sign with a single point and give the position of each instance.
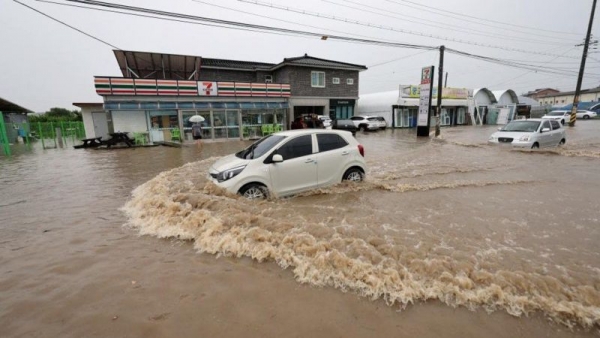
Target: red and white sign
(207, 88)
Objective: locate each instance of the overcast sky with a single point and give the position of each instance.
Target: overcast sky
(45, 64)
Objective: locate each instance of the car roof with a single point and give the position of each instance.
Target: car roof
(524, 120)
(308, 131)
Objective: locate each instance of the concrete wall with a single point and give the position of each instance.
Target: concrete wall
(129, 121)
(88, 122)
(227, 75)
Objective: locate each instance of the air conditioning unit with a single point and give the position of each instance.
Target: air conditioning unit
(268, 78)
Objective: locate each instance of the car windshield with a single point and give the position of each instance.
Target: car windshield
(526, 126)
(260, 147)
(556, 113)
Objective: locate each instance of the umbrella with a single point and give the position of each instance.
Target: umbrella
(196, 119)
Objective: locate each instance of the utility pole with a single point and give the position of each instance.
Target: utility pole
(446, 81)
(582, 68)
(438, 111)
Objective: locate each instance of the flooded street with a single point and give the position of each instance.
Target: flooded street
(447, 237)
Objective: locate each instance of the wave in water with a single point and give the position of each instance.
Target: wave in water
(331, 251)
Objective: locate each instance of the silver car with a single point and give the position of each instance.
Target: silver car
(532, 133)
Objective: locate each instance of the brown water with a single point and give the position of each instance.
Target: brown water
(447, 237)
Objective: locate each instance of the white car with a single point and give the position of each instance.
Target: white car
(326, 121)
(563, 116)
(365, 123)
(586, 114)
(531, 133)
(380, 120)
(290, 162)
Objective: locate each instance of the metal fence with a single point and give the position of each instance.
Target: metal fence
(50, 134)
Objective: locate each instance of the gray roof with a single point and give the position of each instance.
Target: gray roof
(583, 91)
(234, 64)
(173, 66)
(310, 61)
(9, 107)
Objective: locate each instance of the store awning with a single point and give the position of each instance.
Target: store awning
(132, 105)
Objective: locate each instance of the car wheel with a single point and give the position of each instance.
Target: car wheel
(562, 142)
(535, 146)
(363, 128)
(254, 191)
(562, 122)
(354, 174)
(585, 117)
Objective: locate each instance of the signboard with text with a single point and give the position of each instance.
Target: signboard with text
(425, 96)
(207, 88)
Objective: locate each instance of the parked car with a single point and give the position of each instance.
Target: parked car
(347, 125)
(581, 114)
(363, 123)
(531, 133)
(326, 121)
(291, 162)
(563, 116)
(586, 114)
(380, 121)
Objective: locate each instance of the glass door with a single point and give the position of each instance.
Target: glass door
(219, 123)
(233, 124)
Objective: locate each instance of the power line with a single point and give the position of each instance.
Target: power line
(444, 13)
(355, 22)
(276, 19)
(398, 59)
(66, 24)
(437, 23)
(304, 33)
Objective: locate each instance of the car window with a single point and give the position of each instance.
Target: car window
(330, 142)
(356, 118)
(555, 125)
(522, 126)
(298, 147)
(546, 124)
(260, 147)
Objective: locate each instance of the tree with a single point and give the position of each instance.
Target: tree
(57, 114)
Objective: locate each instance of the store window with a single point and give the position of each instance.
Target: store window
(162, 125)
(317, 79)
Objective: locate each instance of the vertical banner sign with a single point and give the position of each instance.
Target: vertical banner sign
(425, 101)
(207, 88)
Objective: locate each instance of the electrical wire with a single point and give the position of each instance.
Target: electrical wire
(66, 24)
(304, 33)
(436, 24)
(462, 15)
(376, 26)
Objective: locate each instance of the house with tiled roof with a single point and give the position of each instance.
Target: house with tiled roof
(158, 93)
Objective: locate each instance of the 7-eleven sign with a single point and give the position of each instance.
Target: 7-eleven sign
(207, 88)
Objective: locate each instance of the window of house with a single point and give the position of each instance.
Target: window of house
(349, 81)
(335, 80)
(317, 79)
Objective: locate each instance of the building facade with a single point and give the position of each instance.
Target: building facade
(460, 106)
(565, 98)
(158, 93)
(541, 92)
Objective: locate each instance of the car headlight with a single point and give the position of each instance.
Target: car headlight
(492, 138)
(524, 138)
(229, 173)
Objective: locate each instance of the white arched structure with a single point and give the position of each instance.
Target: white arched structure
(484, 97)
(506, 96)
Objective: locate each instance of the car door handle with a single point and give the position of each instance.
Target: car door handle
(310, 160)
(344, 153)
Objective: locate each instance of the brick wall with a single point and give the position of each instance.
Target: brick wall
(300, 80)
(227, 75)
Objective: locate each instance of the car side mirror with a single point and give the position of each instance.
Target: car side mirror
(545, 130)
(277, 158)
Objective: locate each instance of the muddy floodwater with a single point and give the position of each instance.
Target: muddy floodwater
(447, 237)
